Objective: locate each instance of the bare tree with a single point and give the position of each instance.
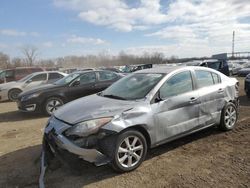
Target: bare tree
(30, 54)
(17, 62)
(4, 60)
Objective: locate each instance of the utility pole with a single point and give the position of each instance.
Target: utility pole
(233, 45)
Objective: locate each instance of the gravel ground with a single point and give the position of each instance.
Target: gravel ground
(209, 158)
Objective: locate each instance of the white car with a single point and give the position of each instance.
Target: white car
(11, 90)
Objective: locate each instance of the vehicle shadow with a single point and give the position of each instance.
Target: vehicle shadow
(21, 168)
(244, 101)
(18, 116)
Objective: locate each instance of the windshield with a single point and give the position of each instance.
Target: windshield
(24, 79)
(67, 79)
(132, 87)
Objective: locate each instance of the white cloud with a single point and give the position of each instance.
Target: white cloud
(15, 33)
(188, 27)
(117, 14)
(11, 32)
(84, 40)
(48, 44)
(3, 46)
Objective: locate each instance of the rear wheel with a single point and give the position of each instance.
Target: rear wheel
(13, 94)
(130, 151)
(229, 117)
(52, 104)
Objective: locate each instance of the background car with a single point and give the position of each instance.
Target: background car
(18, 73)
(142, 110)
(245, 70)
(11, 90)
(49, 98)
(247, 85)
(220, 65)
(234, 68)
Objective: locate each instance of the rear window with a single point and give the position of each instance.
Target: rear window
(204, 78)
(54, 76)
(216, 78)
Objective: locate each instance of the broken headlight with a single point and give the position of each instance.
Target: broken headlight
(87, 128)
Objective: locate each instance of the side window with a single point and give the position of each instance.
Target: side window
(176, 85)
(55, 76)
(204, 78)
(87, 78)
(106, 76)
(40, 77)
(214, 65)
(216, 78)
(9, 73)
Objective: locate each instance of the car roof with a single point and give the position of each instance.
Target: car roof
(40, 72)
(167, 70)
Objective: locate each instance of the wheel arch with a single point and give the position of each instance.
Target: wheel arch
(140, 128)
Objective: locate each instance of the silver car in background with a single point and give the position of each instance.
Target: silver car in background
(142, 110)
(11, 90)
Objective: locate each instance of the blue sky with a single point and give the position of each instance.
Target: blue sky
(184, 28)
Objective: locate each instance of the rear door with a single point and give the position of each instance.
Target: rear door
(82, 86)
(211, 92)
(178, 112)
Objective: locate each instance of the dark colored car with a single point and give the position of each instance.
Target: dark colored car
(247, 85)
(49, 98)
(18, 73)
(244, 71)
(220, 65)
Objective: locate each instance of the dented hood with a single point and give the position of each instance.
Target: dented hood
(91, 107)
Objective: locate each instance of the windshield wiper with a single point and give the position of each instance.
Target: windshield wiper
(114, 97)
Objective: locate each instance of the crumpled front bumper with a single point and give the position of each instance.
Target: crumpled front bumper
(55, 144)
(59, 142)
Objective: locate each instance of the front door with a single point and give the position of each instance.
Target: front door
(178, 110)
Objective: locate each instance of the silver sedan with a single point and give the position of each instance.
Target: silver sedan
(11, 90)
(141, 111)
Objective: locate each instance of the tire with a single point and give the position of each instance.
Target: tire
(229, 117)
(13, 94)
(230, 73)
(52, 104)
(125, 157)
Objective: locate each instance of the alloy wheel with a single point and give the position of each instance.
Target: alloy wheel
(230, 116)
(52, 105)
(130, 151)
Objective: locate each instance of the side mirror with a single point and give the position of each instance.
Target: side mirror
(75, 83)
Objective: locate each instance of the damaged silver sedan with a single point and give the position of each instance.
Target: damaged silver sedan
(141, 111)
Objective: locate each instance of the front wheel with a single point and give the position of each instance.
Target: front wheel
(13, 94)
(52, 104)
(229, 117)
(130, 151)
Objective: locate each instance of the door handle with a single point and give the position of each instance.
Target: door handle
(193, 99)
(220, 90)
